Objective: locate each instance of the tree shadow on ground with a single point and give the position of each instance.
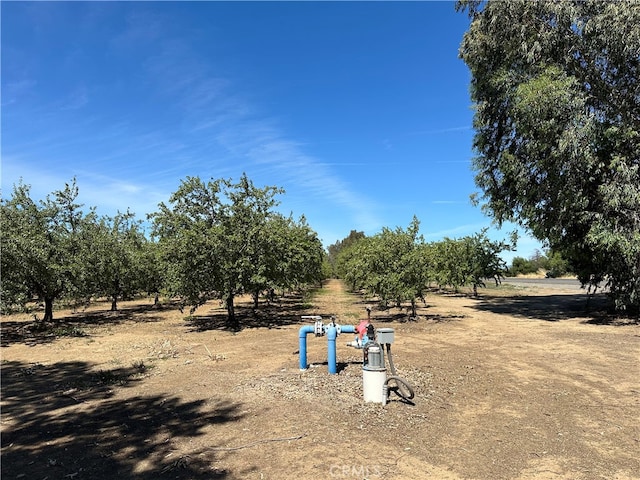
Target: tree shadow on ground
(550, 308)
(385, 316)
(437, 318)
(276, 314)
(34, 332)
(405, 317)
(64, 421)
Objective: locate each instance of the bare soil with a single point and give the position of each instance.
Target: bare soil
(519, 383)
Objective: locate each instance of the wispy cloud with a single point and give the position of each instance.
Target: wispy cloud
(76, 99)
(214, 111)
(461, 230)
(450, 202)
(113, 195)
(210, 126)
(108, 194)
(439, 131)
(265, 146)
(142, 28)
(13, 91)
(453, 161)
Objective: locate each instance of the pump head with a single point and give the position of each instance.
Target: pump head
(373, 357)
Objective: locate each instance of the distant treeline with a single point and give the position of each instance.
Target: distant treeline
(397, 266)
(551, 263)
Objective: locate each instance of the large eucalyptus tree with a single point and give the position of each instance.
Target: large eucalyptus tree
(557, 117)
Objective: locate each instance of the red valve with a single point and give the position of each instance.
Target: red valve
(361, 328)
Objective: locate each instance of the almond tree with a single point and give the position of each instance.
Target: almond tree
(298, 255)
(41, 246)
(468, 260)
(335, 249)
(115, 258)
(482, 259)
(211, 235)
(392, 265)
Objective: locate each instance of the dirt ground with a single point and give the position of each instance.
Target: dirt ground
(520, 383)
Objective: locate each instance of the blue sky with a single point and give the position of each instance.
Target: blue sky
(359, 110)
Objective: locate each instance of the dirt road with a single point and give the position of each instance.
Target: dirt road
(545, 283)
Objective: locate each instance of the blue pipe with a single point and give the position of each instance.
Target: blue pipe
(347, 328)
(332, 334)
(302, 342)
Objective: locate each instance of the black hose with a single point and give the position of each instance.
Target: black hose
(403, 388)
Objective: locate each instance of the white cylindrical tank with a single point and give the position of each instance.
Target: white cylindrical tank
(373, 380)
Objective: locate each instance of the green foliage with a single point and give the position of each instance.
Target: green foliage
(293, 255)
(522, 266)
(115, 258)
(351, 265)
(468, 261)
(51, 250)
(209, 237)
(42, 246)
(398, 266)
(216, 240)
(390, 265)
(222, 239)
(151, 268)
(557, 266)
(555, 87)
(336, 248)
(552, 263)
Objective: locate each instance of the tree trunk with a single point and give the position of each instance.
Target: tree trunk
(232, 321)
(114, 297)
(413, 308)
(48, 309)
(256, 299)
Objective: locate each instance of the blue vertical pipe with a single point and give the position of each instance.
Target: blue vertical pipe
(302, 343)
(332, 334)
